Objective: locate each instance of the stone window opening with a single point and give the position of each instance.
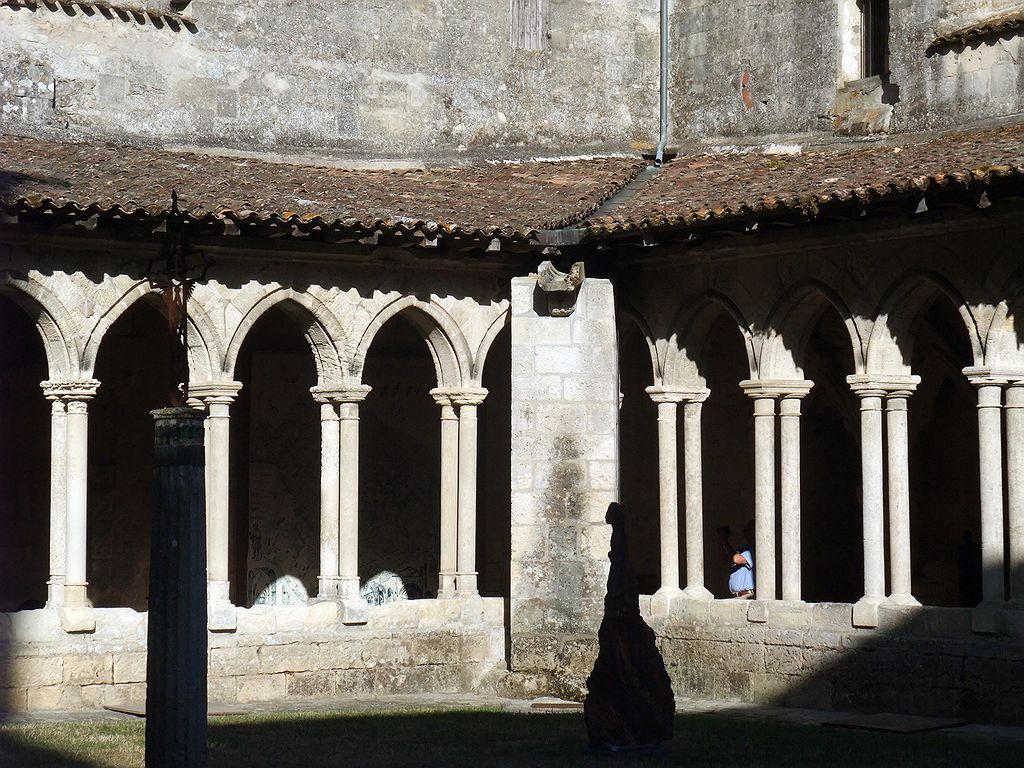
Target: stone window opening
(874, 38)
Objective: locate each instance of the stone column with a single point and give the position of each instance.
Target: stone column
(330, 495)
(449, 493)
(764, 488)
(348, 506)
(76, 396)
(668, 485)
(467, 400)
(217, 398)
(990, 447)
(900, 591)
(789, 489)
(1015, 487)
(693, 499)
(865, 611)
(58, 493)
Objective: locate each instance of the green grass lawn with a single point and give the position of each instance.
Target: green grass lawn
(489, 739)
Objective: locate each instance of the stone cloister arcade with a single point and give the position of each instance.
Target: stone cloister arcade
(864, 410)
(111, 339)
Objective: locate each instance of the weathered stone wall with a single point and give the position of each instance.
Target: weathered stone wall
(923, 661)
(564, 475)
(763, 68)
(392, 79)
(277, 653)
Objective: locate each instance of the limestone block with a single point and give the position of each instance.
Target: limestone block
(34, 626)
(89, 669)
(728, 612)
(534, 651)
(129, 668)
(35, 671)
(746, 657)
(835, 616)
(255, 625)
(50, 697)
(118, 624)
(221, 617)
(790, 614)
(494, 611)
(222, 690)
(13, 699)
(99, 696)
(758, 611)
(234, 661)
(790, 637)
(785, 660)
(297, 657)
(823, 640)
(312, 685)
(291, 618)
(402, 614)
(262, 687)
(354, 682)
(342, 654)
(688, 611)
(75, 620)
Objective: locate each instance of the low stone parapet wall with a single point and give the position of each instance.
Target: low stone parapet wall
(919, 660)
(273, 653)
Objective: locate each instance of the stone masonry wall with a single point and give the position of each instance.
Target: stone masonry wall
(923, 661)
(276, 653)
(389, 78)
(564, 474)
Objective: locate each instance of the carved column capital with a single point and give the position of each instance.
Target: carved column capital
(351, 393)
(883, 385)
(678, 394)
(215, 392)
(468, 395)
(759, 389)
(70, 390)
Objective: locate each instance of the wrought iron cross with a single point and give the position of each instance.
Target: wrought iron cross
(175, 272)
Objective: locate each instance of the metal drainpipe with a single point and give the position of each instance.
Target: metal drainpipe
(663, 139)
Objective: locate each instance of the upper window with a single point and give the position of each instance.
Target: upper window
(874, 38)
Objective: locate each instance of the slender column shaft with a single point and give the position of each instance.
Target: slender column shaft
(694, 498)
(764, 498)
(330, 499)
(668, 495)
(348, 566)
(873, 490)
(58, 501)
(467, 573)
(990, 444)
(449, 497)
(77, 494)
(789, 434)
(899, 498)
(217, 496)
(1015, 485)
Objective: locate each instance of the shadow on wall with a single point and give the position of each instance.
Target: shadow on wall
(919, 660)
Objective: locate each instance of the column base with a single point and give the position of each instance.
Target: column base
(447, 585)
(354, 610)
(985, 617)
(466, 584)
(329, 587)
(904, 599)
(697, 592)
(76, 621)
(865, 612)
(661, 601)
(54, 594)
(220, 612)
(76, 596)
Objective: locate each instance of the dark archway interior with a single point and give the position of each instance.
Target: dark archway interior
(275, 446)
(24, 463)
(494, 522)
(400, 464)
(727, 427)
(638, 456)
(945, 518)
(831, 536)
(134, 373)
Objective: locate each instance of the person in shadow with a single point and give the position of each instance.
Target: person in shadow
(629, 702)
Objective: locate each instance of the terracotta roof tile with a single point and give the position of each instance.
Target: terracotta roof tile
(489, 199)
(701, 188)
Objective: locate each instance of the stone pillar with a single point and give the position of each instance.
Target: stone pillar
(58, 493)
(565, 411)
(1015, 487)
(217, 399)
(900, 591)
(990, 448)
(789, 491)
(330, 496)
(865, 611)
(693, 499)
(355, 607)
(449, 493)
(668, 501)
(467, 400)
(176, 662)
(76, 396)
